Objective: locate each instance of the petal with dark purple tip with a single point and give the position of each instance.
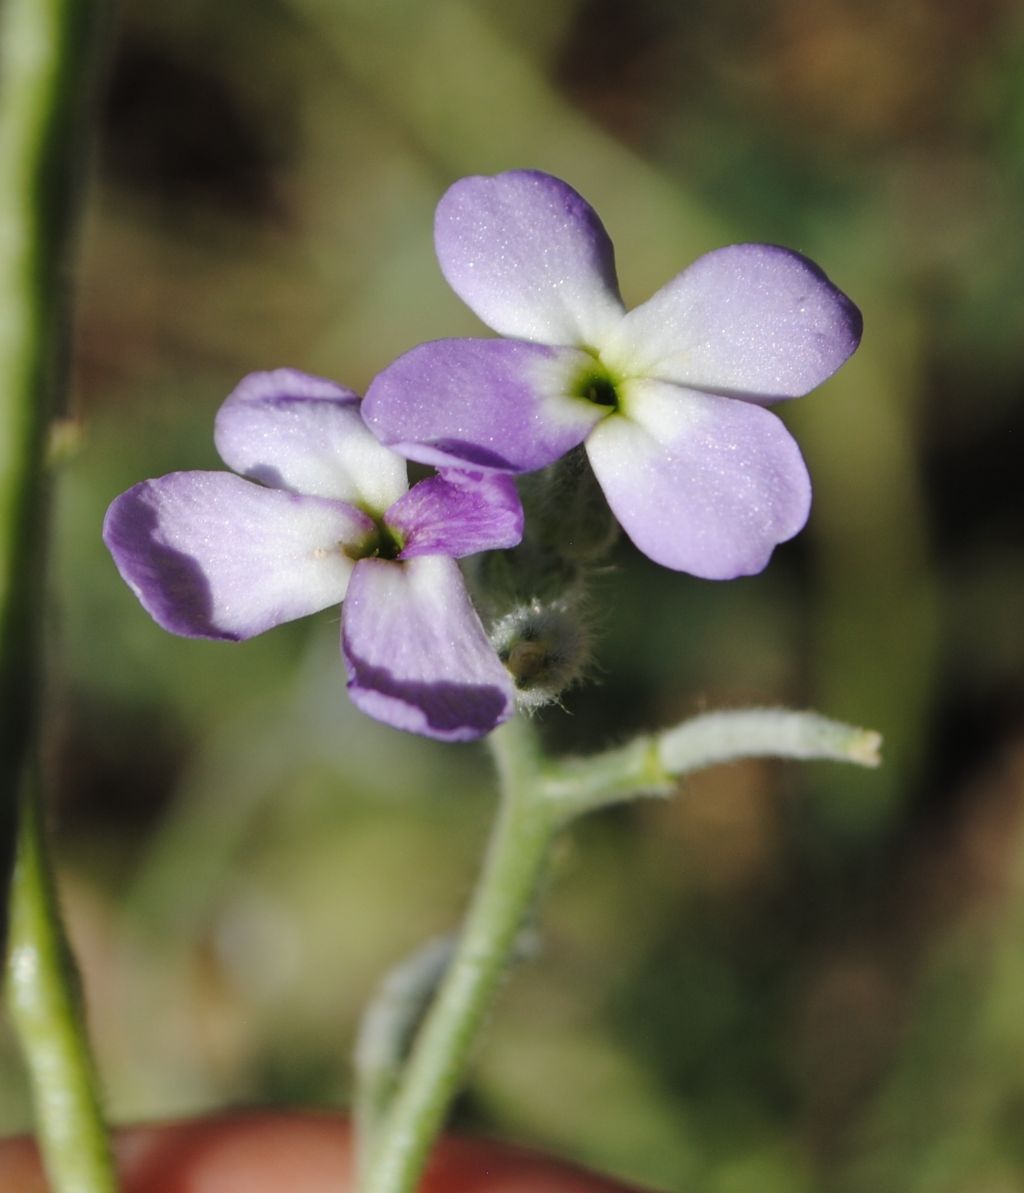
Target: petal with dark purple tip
(417, 656)
(752, 320)
(529, 256)
(210, 555)
(488, 404)
(289, 430)
(457, 513)
(700, 483)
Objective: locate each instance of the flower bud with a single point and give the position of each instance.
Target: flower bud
(568, 512)
(545, 645)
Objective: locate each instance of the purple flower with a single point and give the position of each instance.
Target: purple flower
(211, 555)
(670, 397)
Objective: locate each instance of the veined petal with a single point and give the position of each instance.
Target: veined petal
(292, 431)
(417, 656)
(491, 404)
(210, 555)
(530, 257)
(752, 320)
(700, 483)
(458, 513)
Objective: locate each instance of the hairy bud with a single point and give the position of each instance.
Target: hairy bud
(534, 596)
(546, 647)
(567, 511)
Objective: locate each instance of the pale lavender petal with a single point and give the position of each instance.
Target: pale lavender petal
(457, 513)
(491, 404)
(417, 655)
(292, 431)
(751, 320)
(530, 257)
(700, 483)
(210, 555)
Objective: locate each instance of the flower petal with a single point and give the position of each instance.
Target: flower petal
(700, 483)
(458, 513)
(530, 257)
(292, 431)
(751, 320)
(417, 655)
(501, 404)
(210, 555)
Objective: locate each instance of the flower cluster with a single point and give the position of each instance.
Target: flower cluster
(670, 402)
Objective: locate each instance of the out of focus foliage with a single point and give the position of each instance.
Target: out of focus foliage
(786, 978)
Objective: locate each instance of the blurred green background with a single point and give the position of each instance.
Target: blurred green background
(787, 978)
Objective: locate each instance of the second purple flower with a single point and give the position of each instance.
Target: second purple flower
(326, 514)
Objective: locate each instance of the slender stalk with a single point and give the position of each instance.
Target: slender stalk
(504, 896)
(385, 1032)
(47, 65)
(45, 1007)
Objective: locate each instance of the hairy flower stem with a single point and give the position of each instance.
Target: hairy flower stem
(45, 1008)
(511, 875)
(402, 1110)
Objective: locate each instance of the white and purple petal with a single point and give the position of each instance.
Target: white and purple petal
(530, 257)
(752, 320)
(211, 555)
(289, 430)
(457, 513)
(701, 483)
(489, 404)
(417, 656)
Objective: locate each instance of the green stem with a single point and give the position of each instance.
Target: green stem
(45, 1008)
(512, 871)
(387, 1027)
(47, 66)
